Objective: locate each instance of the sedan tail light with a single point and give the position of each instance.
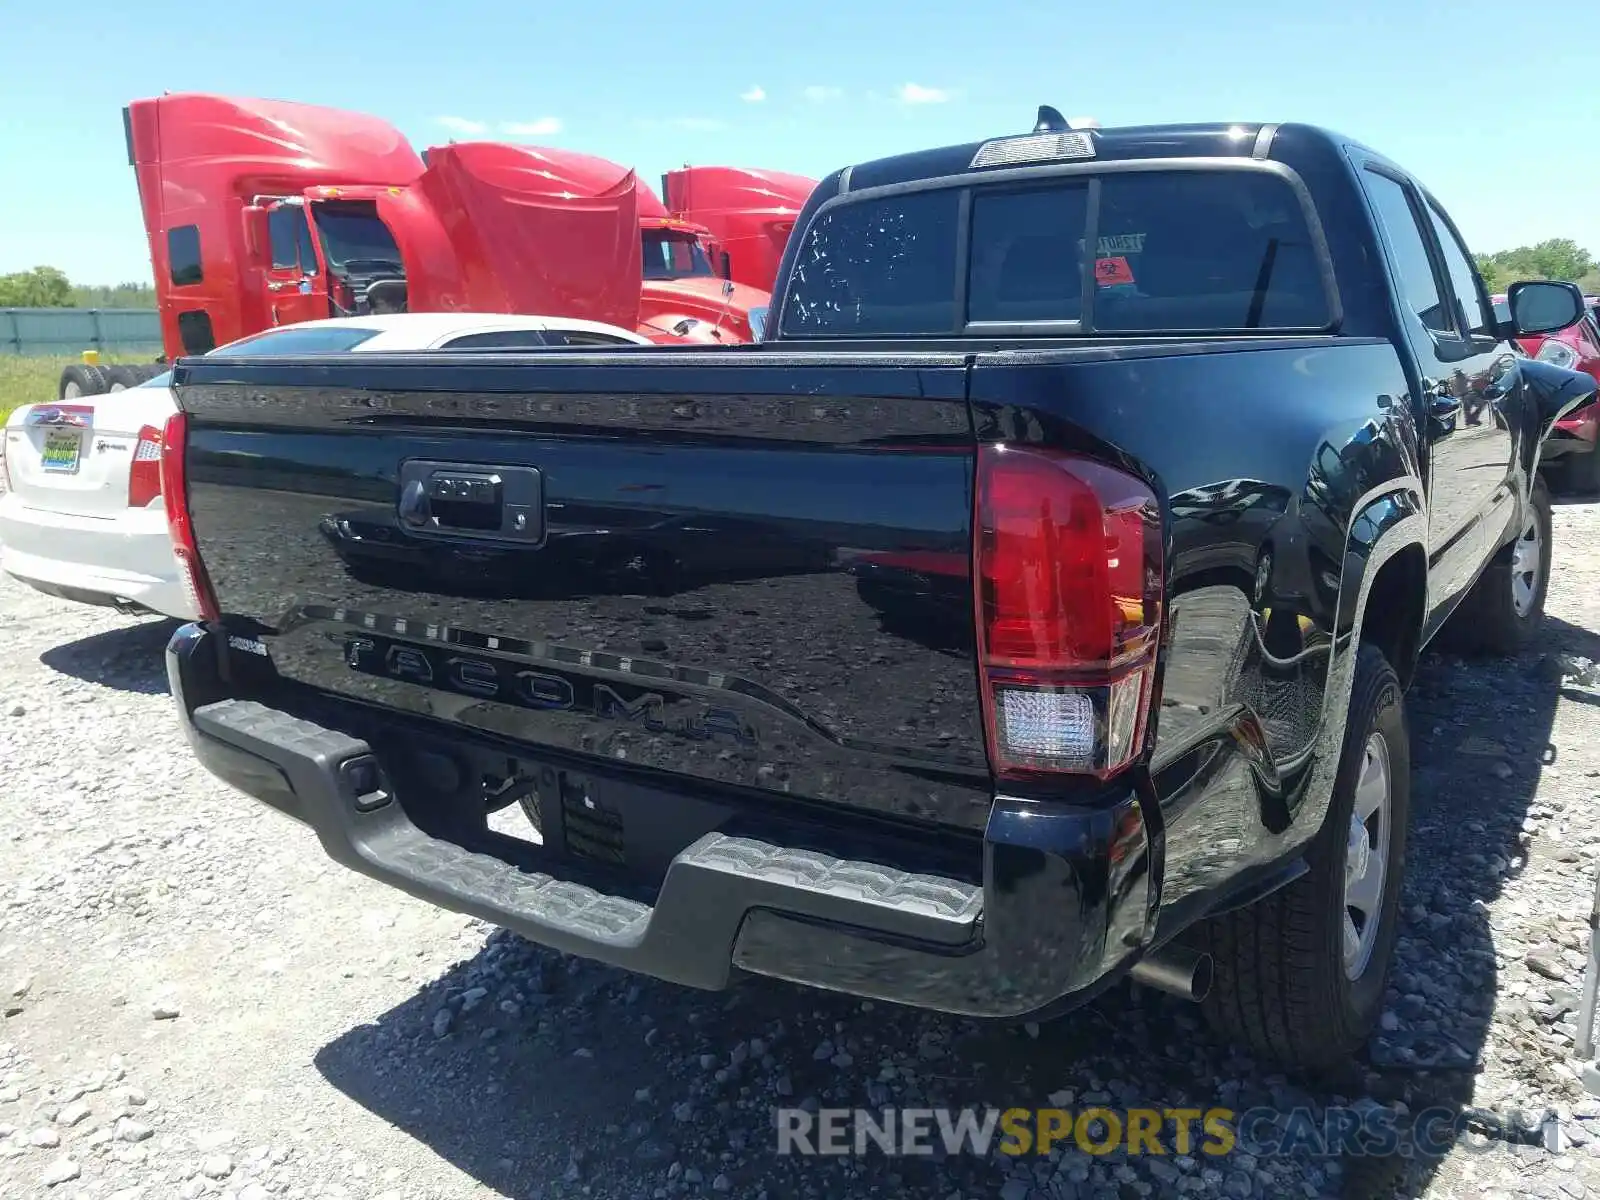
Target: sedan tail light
(144, 476)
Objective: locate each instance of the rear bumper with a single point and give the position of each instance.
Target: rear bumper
(1061, 911)
(95, 559)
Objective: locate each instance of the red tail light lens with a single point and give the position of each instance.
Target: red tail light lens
(1069, 598)
(175, 492)
(144, 476)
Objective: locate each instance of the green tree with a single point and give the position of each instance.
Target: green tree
(42, 287)
(122, 295)
(1553, 258)
(1494, 275)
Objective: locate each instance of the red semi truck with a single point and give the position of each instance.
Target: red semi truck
(263, 212)
(749, 212)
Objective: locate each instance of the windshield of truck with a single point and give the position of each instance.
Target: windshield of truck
(353, 237)
(670, 254)
(1175, 251)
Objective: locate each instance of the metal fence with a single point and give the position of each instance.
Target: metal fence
(68, 331)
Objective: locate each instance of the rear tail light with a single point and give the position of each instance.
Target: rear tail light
(175, 492)
(144, 476)
(1069, 597)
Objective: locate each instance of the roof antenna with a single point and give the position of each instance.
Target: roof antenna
(1050, 121)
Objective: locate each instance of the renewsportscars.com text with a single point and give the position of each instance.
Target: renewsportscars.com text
(1212, 1132)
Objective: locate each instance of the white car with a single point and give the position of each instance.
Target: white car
(82, 516)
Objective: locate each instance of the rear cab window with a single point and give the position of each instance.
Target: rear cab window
(292, 339)
(496, 339)
(1175, 251)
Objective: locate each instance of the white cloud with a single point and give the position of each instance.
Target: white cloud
(690, 124)
(460, 125)
(818, 94)
(915, 93)
(540, 127)
(755, 95)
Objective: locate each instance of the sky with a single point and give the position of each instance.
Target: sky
(1495, 115)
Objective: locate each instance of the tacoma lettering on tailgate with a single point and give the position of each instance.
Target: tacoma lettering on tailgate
(509, 683)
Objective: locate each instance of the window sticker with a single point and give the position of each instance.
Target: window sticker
(1121, 243)
(1112, 272)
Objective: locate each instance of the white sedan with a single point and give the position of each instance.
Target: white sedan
(82, 516)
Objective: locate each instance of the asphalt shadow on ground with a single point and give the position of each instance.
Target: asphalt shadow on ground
(129, 658)
(562, 1077)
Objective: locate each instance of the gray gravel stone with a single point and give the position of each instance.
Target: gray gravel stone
(62, 1170)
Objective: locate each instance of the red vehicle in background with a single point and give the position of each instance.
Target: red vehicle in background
(749, 212)
(686, 260)
(1570, 451)
(263, 213)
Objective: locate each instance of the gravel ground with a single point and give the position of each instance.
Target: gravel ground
(196, 1004)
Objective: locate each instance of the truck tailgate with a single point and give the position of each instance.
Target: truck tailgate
(758, 580)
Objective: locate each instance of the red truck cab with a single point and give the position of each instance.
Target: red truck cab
(201, 161)
(749, 212)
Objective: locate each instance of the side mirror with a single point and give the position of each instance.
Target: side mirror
(1543, 306)
(758, 322)
(255, 231)
(727, 265)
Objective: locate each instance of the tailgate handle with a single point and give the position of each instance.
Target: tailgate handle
(472, 500)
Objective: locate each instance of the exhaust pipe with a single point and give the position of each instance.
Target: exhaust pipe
(1176, 970)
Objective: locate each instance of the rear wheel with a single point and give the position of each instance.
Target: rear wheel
(1299, 976)
(122, 377)
(1503, 612)
(81, 379)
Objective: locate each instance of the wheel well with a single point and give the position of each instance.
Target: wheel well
(1392, 620)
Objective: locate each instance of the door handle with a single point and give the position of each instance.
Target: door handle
(473, 501)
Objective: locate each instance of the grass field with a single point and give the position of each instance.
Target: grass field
(25, 380)
(28, 380)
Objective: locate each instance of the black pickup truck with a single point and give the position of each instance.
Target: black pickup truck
(1032, 609)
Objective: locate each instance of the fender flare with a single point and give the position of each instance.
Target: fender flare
(1388, 521)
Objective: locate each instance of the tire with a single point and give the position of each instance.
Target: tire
(1283, 984)
(125, 377)
(1503, 612)
(81, 379)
